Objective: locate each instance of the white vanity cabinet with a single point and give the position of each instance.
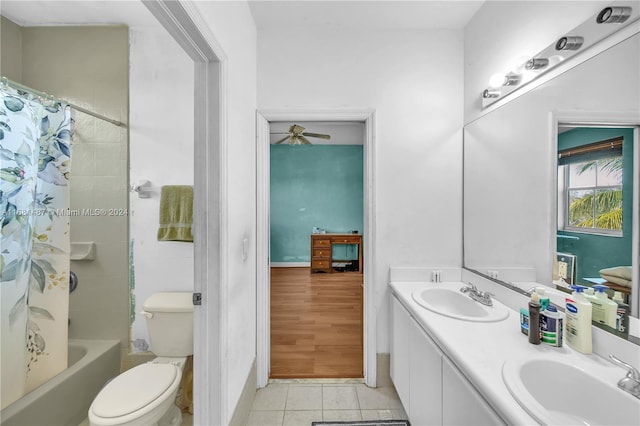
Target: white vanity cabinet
(425, 383)
(432, 390)
(401, 323)
(461, 403)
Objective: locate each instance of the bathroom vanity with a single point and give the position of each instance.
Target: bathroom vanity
(449, 370)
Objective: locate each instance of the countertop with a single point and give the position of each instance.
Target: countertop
(479, 350)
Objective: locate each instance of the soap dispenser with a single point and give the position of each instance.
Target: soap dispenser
(578, 320)
(607, 307)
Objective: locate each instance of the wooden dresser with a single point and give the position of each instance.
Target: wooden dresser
(322, 249)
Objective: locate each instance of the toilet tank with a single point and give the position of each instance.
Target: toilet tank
(170, 323)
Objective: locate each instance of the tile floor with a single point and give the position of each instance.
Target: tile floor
(287, 404)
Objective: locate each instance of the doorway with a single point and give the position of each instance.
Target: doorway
(316, 231)
(263, 233)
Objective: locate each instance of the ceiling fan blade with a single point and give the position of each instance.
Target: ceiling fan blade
(317, 135)
(279, 133)
(304, 140)
(282, 140)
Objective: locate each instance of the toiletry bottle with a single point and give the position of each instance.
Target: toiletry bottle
(534, 319)
(609, 307)
(622, 316)
(597, 307)
(544, 299)
(524, 321)
(578, 320)
(551, 326)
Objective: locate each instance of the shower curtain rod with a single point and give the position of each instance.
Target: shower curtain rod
(5, 81)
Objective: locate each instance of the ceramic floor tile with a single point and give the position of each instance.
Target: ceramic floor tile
(339, 398)
(302, 417)
(376, 414)
(341, 415)
(265, 418)
(378, 398)
(302, 397)
(383, 415)
(273, 397)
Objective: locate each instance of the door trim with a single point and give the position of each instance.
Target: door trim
(184, 23)
(263, 341)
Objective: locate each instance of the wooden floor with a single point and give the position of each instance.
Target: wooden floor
(316, 324)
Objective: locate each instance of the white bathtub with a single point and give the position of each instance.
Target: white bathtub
(65, 399)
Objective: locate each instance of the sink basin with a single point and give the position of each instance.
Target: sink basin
(452, 303)
(554, 393)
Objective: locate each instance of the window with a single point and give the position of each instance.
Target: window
(590, 188)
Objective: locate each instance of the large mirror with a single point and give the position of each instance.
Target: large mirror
(516, 206)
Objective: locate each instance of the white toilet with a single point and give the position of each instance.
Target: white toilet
(145, 395)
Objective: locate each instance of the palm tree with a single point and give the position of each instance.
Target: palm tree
(608, 202)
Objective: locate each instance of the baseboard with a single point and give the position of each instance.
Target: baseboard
(243, 407)
(290, 264)
(383, 370)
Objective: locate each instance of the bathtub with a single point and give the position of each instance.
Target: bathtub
(65, 399)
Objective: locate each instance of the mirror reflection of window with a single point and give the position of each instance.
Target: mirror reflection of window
(595, 202)
(591, 188)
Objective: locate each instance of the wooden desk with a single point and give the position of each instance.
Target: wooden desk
(322, 250)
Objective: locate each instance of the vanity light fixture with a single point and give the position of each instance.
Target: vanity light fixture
(569, 43)
(612, 15)
(536, 63)
(512, 80)
(489, 94)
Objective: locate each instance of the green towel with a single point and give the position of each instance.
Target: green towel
(176, 213)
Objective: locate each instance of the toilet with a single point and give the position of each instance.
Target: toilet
(145, 395)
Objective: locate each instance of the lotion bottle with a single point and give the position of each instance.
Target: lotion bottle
(597, 307)
(609, 307)
(578, 320)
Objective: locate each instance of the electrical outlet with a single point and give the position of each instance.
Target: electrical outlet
(435, 276)
(562, 269)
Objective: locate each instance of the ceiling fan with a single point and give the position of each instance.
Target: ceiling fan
(297, 136)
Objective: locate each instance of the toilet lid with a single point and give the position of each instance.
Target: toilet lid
(134, 389)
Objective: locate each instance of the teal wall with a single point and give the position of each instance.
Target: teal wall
(314, 186)
(596, 252)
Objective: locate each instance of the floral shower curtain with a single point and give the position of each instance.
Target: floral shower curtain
(35, 142)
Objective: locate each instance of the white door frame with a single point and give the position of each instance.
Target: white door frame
(262, 230)
(210, 382)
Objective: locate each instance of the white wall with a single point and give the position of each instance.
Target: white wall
(502, 33)
(413, 79)
(161, 99)
(233, 27)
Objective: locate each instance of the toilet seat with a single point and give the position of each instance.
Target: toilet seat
(135, 392)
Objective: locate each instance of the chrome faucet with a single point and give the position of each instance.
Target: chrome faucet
(631, 382)
(480, 296)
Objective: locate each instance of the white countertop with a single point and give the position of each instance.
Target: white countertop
(479, 350)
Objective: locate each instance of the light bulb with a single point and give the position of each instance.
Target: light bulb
(496, 80)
